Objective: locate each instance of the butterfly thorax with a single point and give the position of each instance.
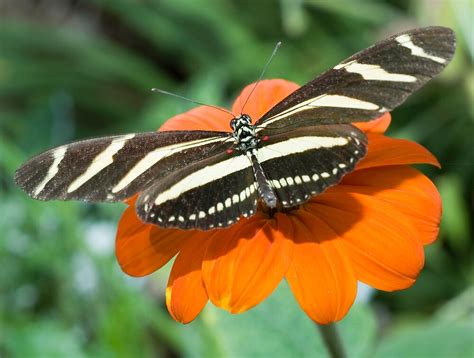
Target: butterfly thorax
(244, 133)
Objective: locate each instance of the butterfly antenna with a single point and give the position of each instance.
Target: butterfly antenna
(191, 100)
(275, 49)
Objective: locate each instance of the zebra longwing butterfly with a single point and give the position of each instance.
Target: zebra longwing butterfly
(205, 180)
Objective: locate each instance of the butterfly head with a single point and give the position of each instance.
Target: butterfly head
(244, 133)
(243, 120)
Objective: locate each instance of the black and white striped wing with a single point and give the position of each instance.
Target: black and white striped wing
(212, 193)
(369, 83)
(304, 162)
(115, 168)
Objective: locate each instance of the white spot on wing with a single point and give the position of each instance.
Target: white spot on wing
(204, 176)
(406, 41)
(298, 145)
(276, 183)
(252, 188)
(100, 162)
(374, 72)
(342, 102)
(58, 156)
(155, 156)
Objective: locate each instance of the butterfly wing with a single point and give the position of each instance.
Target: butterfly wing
(211, 193)
(115, 168)
(369, 83)
(301, 163)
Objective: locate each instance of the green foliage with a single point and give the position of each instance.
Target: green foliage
(276, 328)
(447, 334)
(76, 69)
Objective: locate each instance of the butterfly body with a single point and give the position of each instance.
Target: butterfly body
(299, 148)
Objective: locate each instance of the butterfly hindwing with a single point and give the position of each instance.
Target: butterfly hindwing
(212, 193)
(369, 83)
(114, 168)
(304, 162)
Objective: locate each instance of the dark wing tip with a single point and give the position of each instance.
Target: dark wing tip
(26, 178)
(31, 175)
(443, 38)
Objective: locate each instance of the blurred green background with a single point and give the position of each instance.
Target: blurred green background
(71, 69)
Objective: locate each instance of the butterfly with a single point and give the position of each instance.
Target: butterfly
(299, 148)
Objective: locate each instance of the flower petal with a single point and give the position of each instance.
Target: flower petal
(265, 96)
(185, 294)
(406, 189)
(379, 125)
(246, 263)
(383, 151)
(199, 118)
(143, 248)
(382, 243)
(320, 276)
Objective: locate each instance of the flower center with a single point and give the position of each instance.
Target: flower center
(244, 133)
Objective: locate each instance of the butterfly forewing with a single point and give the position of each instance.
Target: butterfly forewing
(115, 168)
(212, 193)
(369, 83)
(304, 162)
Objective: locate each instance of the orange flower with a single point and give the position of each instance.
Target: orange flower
(371, 228)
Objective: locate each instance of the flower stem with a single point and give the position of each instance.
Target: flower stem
(332, 340)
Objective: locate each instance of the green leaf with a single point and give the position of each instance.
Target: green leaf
(448, 334)
(277, 327)
(437, 339)
(42, 338)
(455, 223)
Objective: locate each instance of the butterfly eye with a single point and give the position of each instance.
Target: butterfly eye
(233, 123)
(246, 117)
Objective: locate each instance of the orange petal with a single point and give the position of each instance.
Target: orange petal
(320, 276)
(406, 189)
(199, 118)
(266, 95)
(382, 244)
(384, 151)
(143, 248)
(379, 125)
(244, 266)
(185, 294)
